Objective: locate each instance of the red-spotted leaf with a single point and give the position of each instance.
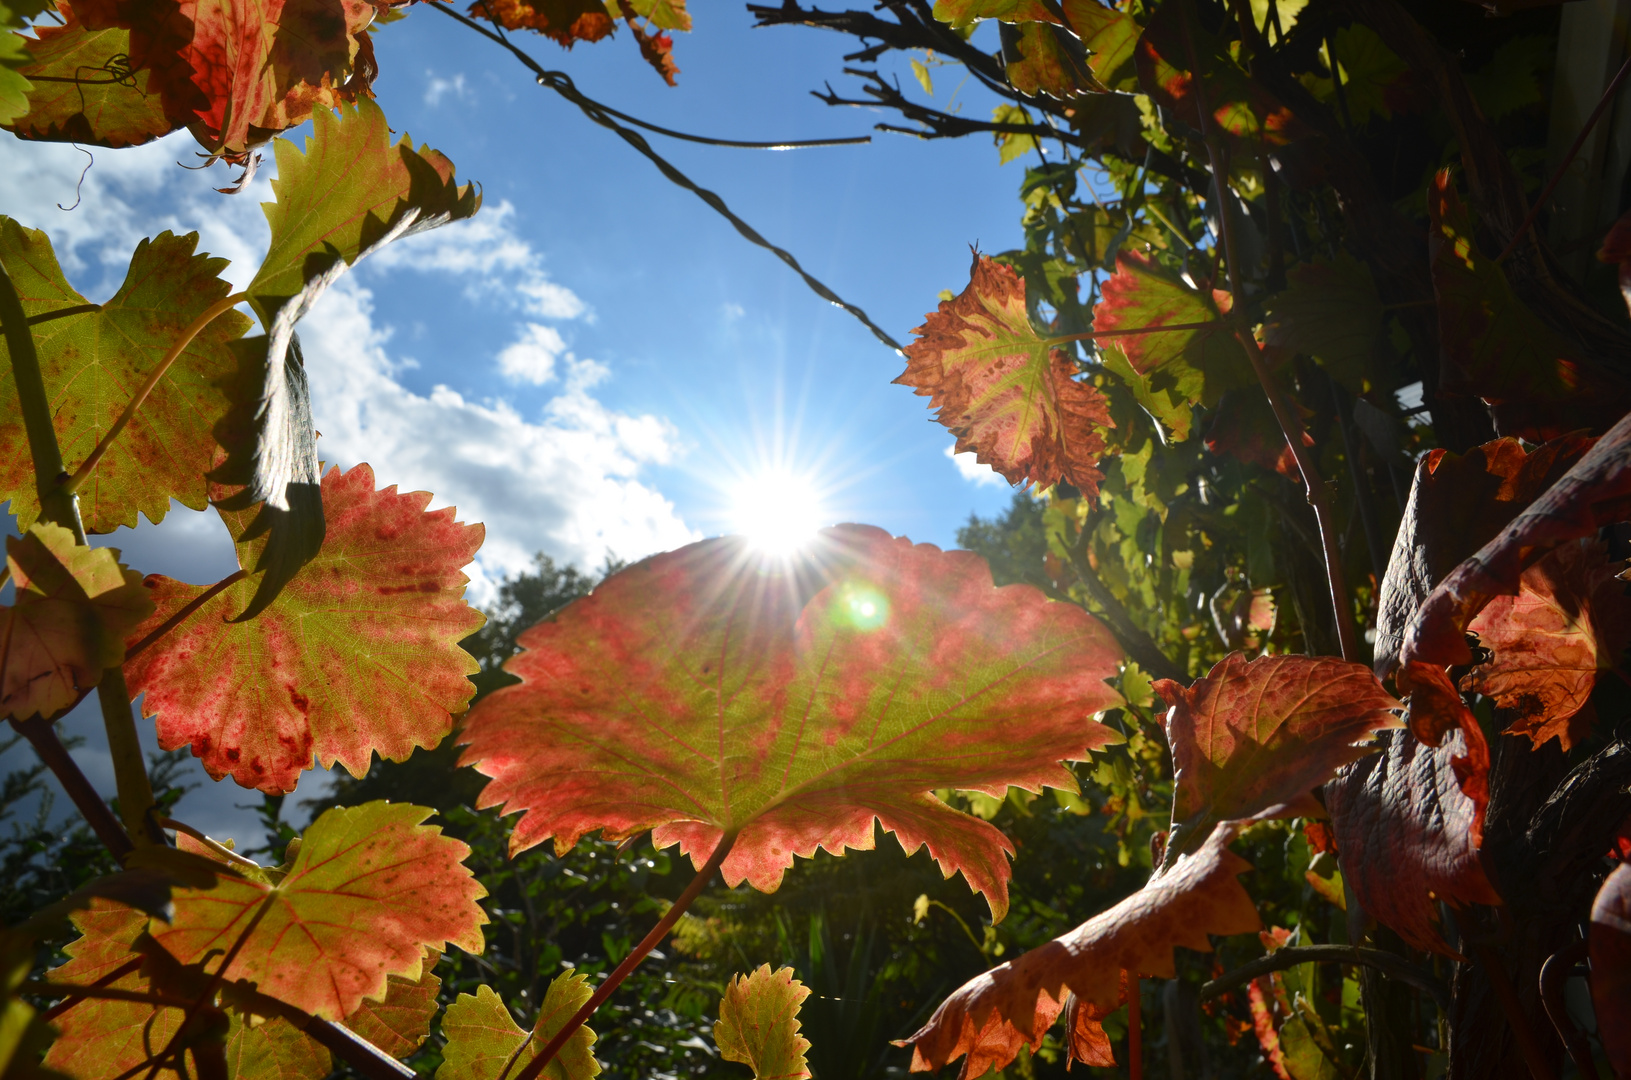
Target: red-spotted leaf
(370, 893)
(1536, 381)
(1570, 620)
(238, 71)
(400, 1024)
(482, 1037)
(566, 22)
(1409, 834)
(993, 1015)
(1234, 103)
(1458, 502)
(1190, 365)
(1610, 945)
(759, 1024)
(82, 89)
(1594, 492)
(711, 690)
(95, 361)
(1007, 393)
(74, 606)
(1252, 739)
(358, 655)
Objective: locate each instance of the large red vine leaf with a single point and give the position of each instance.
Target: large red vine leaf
(353, 189)
(370, 892)
(358, 654)
(1409, 834)
(1570, 620)
(80, 90)
(1535, 380)
(1594, 492)
(1007, 393)
(1610, 945)
(73, 607)
(992, 1015)
(94, 362)
(237, 72)
(1252, 739)
(709, 691)
(483, 1040)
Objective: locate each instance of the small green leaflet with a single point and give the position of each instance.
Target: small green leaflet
(484, 1041)
(759, 1024)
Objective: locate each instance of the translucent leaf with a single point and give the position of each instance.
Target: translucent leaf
(1329, 310)
(95, 361)
(108, 105)
(74, 605)
(400, 1024)
(794, 703)
(759, 1024)
(359, 654)
(1009, 395)
(482, 1038)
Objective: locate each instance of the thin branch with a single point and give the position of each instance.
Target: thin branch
(181, 616)
(536, 1066)
(129, 967)
(63, 313)
(209, 315)
(1553, 975)
(130, 777)
(1291, 956)
(42, 735)
(562, 84)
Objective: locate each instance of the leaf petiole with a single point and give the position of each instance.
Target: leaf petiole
(1137, 331)
(537, 1065)
(181, 616)
(209, 315)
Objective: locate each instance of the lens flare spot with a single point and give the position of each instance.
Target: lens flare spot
(862, 606)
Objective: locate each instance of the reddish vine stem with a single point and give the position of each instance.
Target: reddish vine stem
(1568, 159)
(536, 1066)
(1290, 425)
(181, 616)
(42, 735)
(1528, 1045)
(1139, 330)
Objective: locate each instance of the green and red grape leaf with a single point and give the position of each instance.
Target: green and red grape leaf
(1007, 393)
(1252, 739)
(370, 893)
(993, 1015)
(482, 1037)
(351, 191)
(759, 1024)
(1610, 950)
(98, 108)
(1410, 834)
(73, 607)
(400, 1024)
(358, 654)
(1109, 35)
(1244, 427)
(93, 363)
(1042, 64)
(712, 691)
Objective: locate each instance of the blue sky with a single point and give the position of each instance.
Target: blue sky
(598, 362)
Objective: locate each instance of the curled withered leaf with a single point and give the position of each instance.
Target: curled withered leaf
(992, 1015)
(1007, 393)
(1610, 945)
(1410, 834)
(566, 22)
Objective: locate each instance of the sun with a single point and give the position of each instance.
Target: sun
(779, 511)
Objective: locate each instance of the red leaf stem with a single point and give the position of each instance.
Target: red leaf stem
(181, 616)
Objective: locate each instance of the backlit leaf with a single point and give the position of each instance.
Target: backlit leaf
(370, 893)
(759, 1024)
(1328, 310)
(1196, 366)
(73, 606)
(993, 1015)
(94, 363)
(1007, 393)
(482, 1038)
(1245, 427)
(1409, 834)
(351, 191)
(1570, 619)
(961, 13)
(1610, 938)
(567, 22)
(663, 14)
(359, 653)
(1110, 37)
(1043, 65)
(82, 89)
(711, 689)
(1252, 739)
(400, 1024)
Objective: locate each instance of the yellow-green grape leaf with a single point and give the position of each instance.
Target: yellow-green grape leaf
(1329, 310)
(358, 655)
(960, 13)
(370, 892)
(662, 14)
(400, 1024)
(1012, 145)
(78, 86)
(74, 606)
(352, 190)
(95, 361)
(482, 1037)
(759, 1024)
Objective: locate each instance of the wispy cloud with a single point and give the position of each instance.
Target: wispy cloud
(971, 470)
(436, 88)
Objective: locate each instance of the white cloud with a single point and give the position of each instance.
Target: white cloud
(731, 312)
(437, 87)
(971, 470)
(532, 358)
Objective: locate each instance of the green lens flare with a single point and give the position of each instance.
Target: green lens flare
(862, 606)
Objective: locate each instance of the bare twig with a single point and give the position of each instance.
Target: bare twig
(1291, 956)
